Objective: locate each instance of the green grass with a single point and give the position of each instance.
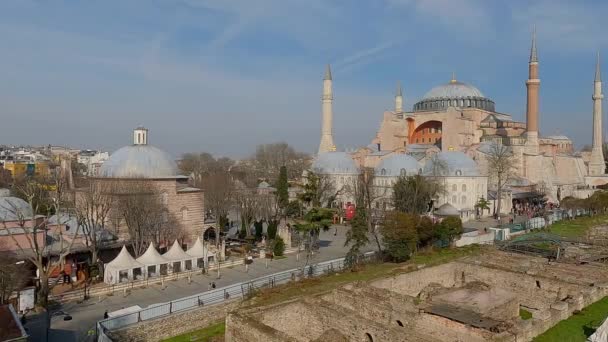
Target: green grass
(578, 227)
(525, 314)
(206, 334)
(440, 256)
(579, 326)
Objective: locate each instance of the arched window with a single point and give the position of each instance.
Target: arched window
(464, 187)
(184, 214)
(165, 217)
(461, 103)
(463, 200)
(383, 172)
(458, 173)
(454, 187)
(164, 198)
(454, 199)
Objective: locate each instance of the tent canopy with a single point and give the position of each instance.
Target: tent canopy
(124, 261)
(152, 257)
(198, 250)
(176, 253)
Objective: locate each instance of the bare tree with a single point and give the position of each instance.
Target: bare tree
(320, 190)
(501, 165)
(269, 158)
(247, 205)
(92, 209)
(143, 209)
(199, 166)
(43, 197)
(219, 191)
(367, 193)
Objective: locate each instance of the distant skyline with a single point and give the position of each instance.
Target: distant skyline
(225, 76)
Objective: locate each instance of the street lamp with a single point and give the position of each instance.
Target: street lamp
(49, 315)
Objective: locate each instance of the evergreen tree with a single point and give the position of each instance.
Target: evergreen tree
(356, 237)
(399, 235)
(282, 188)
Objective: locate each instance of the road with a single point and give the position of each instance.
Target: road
(86, 314)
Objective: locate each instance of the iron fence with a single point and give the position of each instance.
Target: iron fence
(221, 295)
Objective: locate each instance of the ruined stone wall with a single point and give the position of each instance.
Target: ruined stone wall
(412, 283)
(176, 324)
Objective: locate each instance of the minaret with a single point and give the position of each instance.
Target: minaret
(327, 140)
(532, 85)
(597, 165)
(399, 99)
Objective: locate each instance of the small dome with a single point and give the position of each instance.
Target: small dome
(14, 209)
(451, 164)
(452, 90)
(447, 210)
(139, 161)
(334, 163)
(398, 165)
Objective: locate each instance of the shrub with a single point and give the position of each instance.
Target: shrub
(279, 247)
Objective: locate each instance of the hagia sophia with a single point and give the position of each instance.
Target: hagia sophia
(457, 123)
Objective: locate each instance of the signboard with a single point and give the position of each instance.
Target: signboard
(27, 298)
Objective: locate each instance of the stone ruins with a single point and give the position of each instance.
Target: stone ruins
(473, 299)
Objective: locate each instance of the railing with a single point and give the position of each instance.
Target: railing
(235, 291)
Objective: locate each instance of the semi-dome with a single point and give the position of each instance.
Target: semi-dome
(334, 163)
(139, 160)
(454, 94)
(14, 209)
(398, 165)
(451, 164)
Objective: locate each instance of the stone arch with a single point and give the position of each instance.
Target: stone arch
(369, 337)
(428, 132)
(209, 234)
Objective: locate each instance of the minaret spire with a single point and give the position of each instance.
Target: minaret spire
(327, 141)
(597, 165)
(399, 99)
(533, 54)
(532, 86)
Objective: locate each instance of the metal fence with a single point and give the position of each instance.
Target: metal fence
(235, 291)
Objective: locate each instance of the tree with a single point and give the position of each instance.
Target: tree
(399, 235)
(282, 188)
(278, 247)
(200, 165)
(413, 194)
(219, 192)
(143, 210)
(47, 194)
(269, 158)
(319, 190)
(294, 209)
(356, 237)
(247, 206)
(449, 229)
(481, 205)
(310, 227)
(501, 164)
(367, 193)
(92, 209)
(427, 231)
(5, 178)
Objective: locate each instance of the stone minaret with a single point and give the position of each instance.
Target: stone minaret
(399, 99)
(327, 140)
(140, 136)
(532, 85)
(597, 165)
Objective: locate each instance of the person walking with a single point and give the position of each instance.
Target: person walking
(105, 315)
(213, 285)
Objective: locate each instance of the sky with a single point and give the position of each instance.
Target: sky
(223, 76)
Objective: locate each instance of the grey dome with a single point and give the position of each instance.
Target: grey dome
(454, 94)
(453, 90)
(14, 209)
(139, 161)
(334, 163)
(397, 165)
(455, 164)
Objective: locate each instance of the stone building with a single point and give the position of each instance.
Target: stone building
(149, 167)
(457, 116)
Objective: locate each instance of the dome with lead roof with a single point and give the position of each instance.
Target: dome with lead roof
(398, 165)
(454, 94)
(451, 164)
(334, 163)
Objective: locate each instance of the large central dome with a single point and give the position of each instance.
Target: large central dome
(454, 94)
(139, 160)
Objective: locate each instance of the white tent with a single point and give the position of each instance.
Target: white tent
(122, 268)
(201, 253)
(180, 261)
(601, 334)
(154, 262)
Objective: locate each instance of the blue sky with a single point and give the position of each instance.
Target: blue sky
(225, 75)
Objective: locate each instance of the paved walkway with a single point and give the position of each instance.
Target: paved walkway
(86, 314)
